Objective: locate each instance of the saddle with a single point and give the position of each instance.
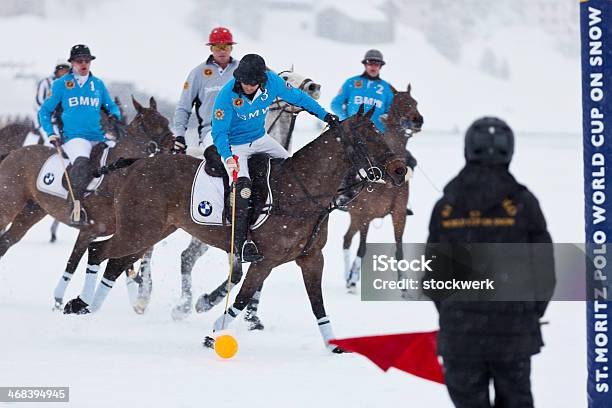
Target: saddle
(94, 158)
(260, 167)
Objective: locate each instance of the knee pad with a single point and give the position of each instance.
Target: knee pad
(243, 192)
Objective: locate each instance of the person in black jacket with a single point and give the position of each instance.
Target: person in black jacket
(483, 341)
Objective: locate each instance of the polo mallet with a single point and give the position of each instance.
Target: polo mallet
(231, 257)
(76, 203)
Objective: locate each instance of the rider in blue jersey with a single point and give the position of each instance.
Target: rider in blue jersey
(239, 115)
(81, 95)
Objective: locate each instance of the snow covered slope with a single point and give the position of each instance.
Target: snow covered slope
(117, 358)
(155, 44)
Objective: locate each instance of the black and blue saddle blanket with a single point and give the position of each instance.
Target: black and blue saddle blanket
(211, 191)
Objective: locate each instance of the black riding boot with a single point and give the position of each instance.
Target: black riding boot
(246, 250)
(80, 177)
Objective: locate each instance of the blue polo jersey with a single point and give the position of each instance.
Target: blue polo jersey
(238, 120)
(81, 107)
(360, 90)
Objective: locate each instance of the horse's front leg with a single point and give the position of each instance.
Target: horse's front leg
(354, 274)
(189, 256)
(140, 284)
(81, 244)
(312, 272)
(209, 300)
(255, 277)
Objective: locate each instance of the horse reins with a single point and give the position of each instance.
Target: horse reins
(352, 148)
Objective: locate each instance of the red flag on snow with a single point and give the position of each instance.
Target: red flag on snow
(414, 353)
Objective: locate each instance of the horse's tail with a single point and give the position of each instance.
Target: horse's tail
(117, 165)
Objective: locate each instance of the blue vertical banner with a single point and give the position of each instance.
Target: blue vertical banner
(596, 40)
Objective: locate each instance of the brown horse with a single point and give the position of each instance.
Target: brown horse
(381, 199)
(15, 135)
(303, 186)
(23, 205)
(377, 201)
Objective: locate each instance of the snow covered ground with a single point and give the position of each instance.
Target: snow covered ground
(117, 358)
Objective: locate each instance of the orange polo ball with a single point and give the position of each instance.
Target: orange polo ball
(226, 346)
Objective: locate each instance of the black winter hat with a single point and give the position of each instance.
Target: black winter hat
(251, 70)
(79, 51)
(489, 140)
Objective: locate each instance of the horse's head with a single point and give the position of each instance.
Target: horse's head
(302, 83)
(403, 113)
(151, 124)
(368, 150)
(110, 125)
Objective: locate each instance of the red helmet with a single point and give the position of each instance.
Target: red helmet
(220, 35)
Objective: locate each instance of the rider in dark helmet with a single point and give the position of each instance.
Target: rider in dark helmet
(490, 141)
(252, 71)
(238, 130)
(491, 341)
(369, 89)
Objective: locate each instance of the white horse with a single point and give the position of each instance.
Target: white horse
(281, 117)
(280, 123)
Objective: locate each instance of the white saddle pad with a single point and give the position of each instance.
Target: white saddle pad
(207, 199)
(49, 178)
(31, 139)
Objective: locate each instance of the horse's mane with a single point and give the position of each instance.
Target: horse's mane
(19, 121)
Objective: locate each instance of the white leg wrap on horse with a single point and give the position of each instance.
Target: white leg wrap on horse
(253, 305)
(231, 314)
(91, 276)
(103, 288)
(185, 285)
(60, 289)
(347, 264)
(355, 272)
(326, 331)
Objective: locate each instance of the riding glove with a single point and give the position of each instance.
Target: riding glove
(332, 120)
(180, 145)
(54, 140)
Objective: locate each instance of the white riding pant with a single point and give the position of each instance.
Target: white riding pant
(78, 147)
(265, 144)
(206, 141)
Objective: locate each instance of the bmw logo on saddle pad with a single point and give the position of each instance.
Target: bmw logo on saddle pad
(205, 208)
(49, 178)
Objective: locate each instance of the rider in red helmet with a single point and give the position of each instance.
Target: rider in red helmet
(202, 85)
(199, 91)
(220, 35)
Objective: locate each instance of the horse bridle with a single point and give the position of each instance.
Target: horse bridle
(356, 151)
(284, 108)
(153, 146)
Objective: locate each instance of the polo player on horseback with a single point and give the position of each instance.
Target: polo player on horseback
(43, 90)
(202, 86)
(81, 95)
(370, 89)
(238, 132)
